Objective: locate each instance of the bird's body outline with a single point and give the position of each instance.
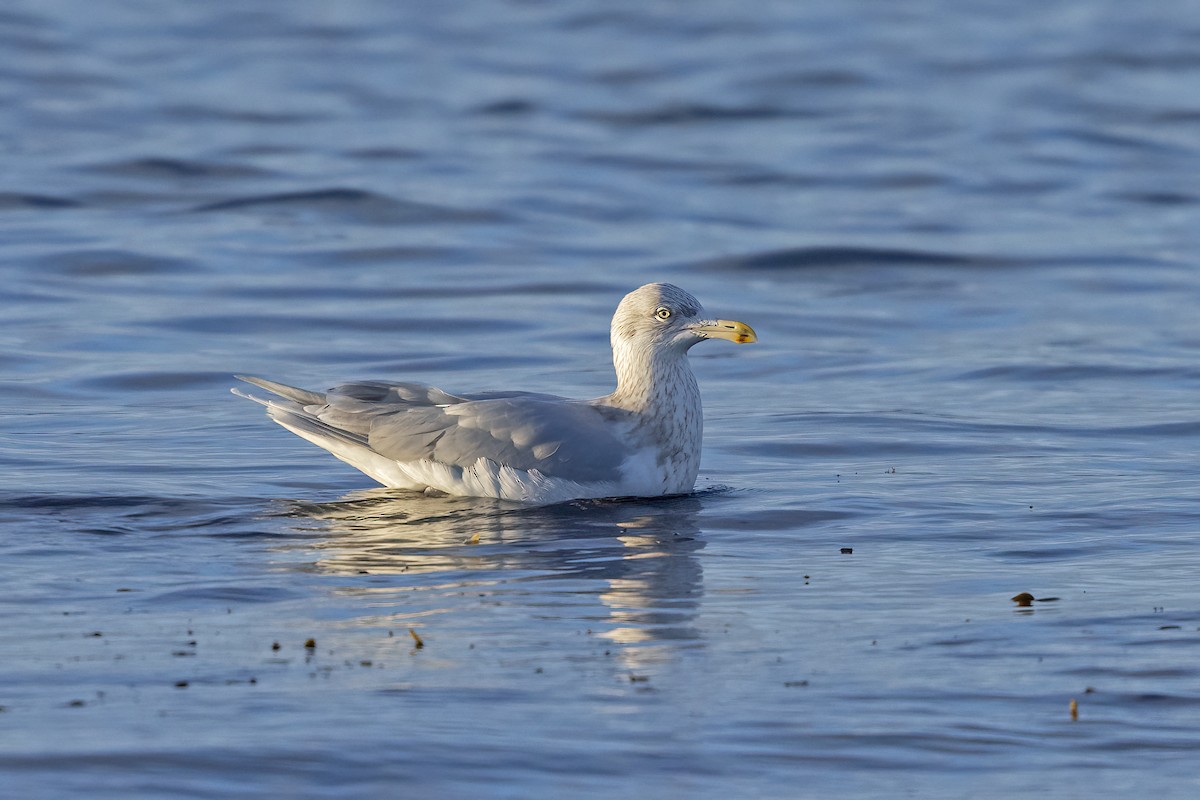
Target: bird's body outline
(642, 440)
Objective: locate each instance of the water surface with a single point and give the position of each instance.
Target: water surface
(966, 237)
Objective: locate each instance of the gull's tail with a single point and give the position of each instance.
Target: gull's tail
(302, 396)
(299, 412)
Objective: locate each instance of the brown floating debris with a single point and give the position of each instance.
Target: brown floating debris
(1074, 709)
(1024, 599)
(311, 644)
(416, 638)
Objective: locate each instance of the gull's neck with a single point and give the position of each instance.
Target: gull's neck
(659, 389)
(653, 381)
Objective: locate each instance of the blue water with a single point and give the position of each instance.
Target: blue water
(966, 234)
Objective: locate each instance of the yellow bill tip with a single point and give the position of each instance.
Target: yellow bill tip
(729, 329)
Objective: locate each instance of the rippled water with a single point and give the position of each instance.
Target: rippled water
(966, 234)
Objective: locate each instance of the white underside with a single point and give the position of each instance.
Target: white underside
(641, 476)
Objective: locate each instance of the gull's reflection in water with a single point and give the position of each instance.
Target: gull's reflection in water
(636, 558)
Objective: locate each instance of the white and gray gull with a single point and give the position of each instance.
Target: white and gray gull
(643, 440)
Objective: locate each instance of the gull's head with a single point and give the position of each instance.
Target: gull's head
(662, 317)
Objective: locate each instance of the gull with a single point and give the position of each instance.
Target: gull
(643, 440)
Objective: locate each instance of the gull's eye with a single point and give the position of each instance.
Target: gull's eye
(662, 312)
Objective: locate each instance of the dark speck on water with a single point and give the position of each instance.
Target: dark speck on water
(968, 234)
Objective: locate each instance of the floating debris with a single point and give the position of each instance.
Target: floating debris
(416, 638)
(181, 684)
(311, 644)
(275, 645)
(1074, 710)
(473, 540)
(791, 684)
(847, 551)
(638, 678)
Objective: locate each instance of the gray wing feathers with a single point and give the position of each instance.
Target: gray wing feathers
(300, 420)
(557, 437)
(411, 421)
(296, 411)
(411, 394)
(301, 396)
